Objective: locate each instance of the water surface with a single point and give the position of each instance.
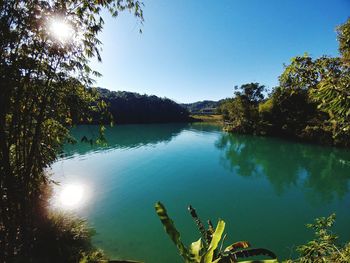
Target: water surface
(266, 189)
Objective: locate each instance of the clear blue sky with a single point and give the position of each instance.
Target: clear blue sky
(193, 50)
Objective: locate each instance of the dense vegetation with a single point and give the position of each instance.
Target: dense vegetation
(129, 107)
(44, 75)
(323, 248)
(64, 238)
(312, 101)
(206, 249)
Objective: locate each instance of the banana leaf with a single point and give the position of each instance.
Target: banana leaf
(237, 245)
(171, 230)
(200, 226)
(208, 258)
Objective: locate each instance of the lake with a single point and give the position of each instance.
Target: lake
(265, 189)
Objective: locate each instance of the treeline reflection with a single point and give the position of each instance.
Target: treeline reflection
(323, 170)
(121, 137)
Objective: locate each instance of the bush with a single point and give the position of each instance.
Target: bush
(324, 247)
(64, 237)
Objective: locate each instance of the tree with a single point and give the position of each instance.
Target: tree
(251, 93)
(312, 100)
(45, 47)
(129, 107)
(314, 94)
(332, 96)
(291, 109)
(242, 111)
(344, 41)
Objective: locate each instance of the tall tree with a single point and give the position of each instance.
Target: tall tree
(45, 47)
(242, 111)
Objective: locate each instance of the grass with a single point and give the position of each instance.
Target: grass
(214, 118)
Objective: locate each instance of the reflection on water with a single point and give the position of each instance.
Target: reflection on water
(122, 137)
(70, 196)
(323, 170)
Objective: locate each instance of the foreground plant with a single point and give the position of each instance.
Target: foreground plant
(205, 249)
(324, 247)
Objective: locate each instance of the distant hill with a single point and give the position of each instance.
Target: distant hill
(204, 106)
(129, 107)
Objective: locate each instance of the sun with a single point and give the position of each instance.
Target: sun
(72, 195)
(61, 30)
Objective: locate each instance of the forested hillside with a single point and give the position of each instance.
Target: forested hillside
(200, 106)
(129, 107)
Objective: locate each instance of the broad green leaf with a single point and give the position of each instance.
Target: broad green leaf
(171, 230)
(208, 258)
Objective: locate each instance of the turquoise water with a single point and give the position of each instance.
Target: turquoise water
(266, 189)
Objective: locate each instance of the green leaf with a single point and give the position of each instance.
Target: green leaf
(171, 230)
(208, 258)
(200, 226)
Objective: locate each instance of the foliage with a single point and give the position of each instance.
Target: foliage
(344, 41)
(206, 249)
(242, 111)
(251, 93)
(129, 107)
(332, 95)
(324, 247)
(224, 108)
(65, 238)
(317, 99)
(312, 101)
(43, 84)
(290, 111)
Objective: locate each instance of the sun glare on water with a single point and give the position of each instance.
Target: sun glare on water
(61, 30)
(70, 196)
